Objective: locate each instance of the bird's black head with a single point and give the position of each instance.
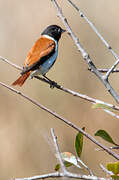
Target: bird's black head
(53, 31)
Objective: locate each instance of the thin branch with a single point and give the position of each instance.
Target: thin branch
(105, 70)
(44, 176)
(84, 165)
(114, 147)
(58, 152)
(106, 171)
(10, 63)
(58, 175)
(100, 36)
(116, 156)
(111, 113)
(111, 69)
(82, 96)
(84, 54)
(64, 172)
(94, 29)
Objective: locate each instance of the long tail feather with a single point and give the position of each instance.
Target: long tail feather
(20, 81)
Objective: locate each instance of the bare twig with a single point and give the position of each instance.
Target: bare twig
(116, 156)
(43, 176)
(114, 147)
(58, 151)
(82, 96)
(111, 113)
(94, 29)
(100, 36)
(106, 171)
(84, 54)
(83, 164)
(111, 69)
(12, 64)
(105, 70)
(58, 175)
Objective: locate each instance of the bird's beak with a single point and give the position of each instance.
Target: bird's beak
(63, 30)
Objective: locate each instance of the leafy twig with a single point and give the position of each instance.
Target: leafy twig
(64, 172)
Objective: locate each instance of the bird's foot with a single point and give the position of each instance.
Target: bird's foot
(53, 84)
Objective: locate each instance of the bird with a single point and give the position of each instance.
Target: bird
(42, 55)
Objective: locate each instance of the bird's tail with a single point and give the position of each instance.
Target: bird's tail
(20, 81)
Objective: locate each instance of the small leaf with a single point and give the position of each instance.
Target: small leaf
(57, 167)
(79, 143)
(70, 158)
(104, 135)
(114, 167)
(99, 105)
(67, 164)
(103, 106)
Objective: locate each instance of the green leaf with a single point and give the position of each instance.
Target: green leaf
(115, 177)
(79, 143)
(103, 106)
(69, 157)
(104, 135)
(57, 167)
(114, 167)
(67, 164)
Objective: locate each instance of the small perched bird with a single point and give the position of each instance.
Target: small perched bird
(42, 55)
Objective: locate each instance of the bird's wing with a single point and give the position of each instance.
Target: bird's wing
(39, 53)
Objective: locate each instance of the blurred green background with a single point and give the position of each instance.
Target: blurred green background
(24, 150)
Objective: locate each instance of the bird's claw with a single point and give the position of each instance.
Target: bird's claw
(54, 84)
